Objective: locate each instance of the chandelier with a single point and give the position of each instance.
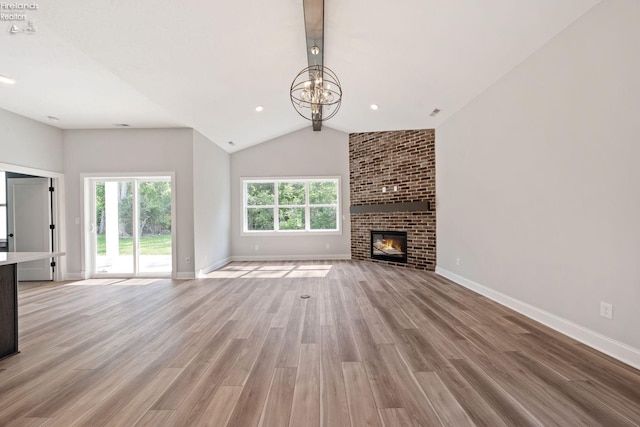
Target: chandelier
(316, 93)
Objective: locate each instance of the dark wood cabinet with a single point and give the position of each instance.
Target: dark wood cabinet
(8, 310)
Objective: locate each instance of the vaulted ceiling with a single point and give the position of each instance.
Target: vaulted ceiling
(208, 64)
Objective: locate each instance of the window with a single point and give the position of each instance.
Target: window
(291, 205)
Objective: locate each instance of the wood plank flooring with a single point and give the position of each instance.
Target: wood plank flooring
(373, 346)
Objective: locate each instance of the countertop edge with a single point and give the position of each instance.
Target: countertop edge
(8, 258)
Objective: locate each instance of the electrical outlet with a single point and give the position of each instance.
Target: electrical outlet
(256, 247)
(327, 246)
(457, 261)
(606, 310)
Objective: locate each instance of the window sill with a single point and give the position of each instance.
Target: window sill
(290, 233)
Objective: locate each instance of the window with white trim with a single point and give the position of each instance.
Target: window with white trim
(291, 205)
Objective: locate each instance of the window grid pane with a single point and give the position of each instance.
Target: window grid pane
(260, 193)
(323, 193)
(260, 219)
(291, 193)
(291, 218)
(323, 218)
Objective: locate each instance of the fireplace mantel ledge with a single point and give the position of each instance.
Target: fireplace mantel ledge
(423, 206)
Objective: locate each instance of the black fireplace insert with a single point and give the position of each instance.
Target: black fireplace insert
(389, 245)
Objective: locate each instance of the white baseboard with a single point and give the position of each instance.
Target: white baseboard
(615, 349)
(216, 265)
(179, 276)
(323, 257)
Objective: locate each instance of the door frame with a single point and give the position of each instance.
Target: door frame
(58, 212)
(86, 242)
(43, 267)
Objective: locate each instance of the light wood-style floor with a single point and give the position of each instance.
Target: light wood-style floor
(372, 346)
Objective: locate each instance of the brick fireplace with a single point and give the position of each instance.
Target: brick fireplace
(392, 188)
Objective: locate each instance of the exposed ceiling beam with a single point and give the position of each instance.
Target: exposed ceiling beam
(314, 29)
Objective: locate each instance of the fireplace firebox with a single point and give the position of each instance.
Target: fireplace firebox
(389, 245)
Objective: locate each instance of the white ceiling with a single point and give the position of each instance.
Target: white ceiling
(208, 64)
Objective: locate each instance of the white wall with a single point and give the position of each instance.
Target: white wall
(130, 151)
(25, 142)
(538, 183)
(211, 204)
(31, 147)
(301, 153)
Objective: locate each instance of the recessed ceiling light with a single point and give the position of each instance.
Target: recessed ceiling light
(435, 112)
(122, 125)
(6, 80)
(374, 106)
(53, 118)
(259, 108)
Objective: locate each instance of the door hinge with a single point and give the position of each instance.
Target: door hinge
(51, 189)
(52, 227)
(53, 263)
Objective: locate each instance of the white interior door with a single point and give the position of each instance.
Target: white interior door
(29, 217)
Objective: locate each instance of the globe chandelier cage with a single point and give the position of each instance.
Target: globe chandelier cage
(316, 93)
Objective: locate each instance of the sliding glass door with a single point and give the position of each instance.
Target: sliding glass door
(131, 233)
